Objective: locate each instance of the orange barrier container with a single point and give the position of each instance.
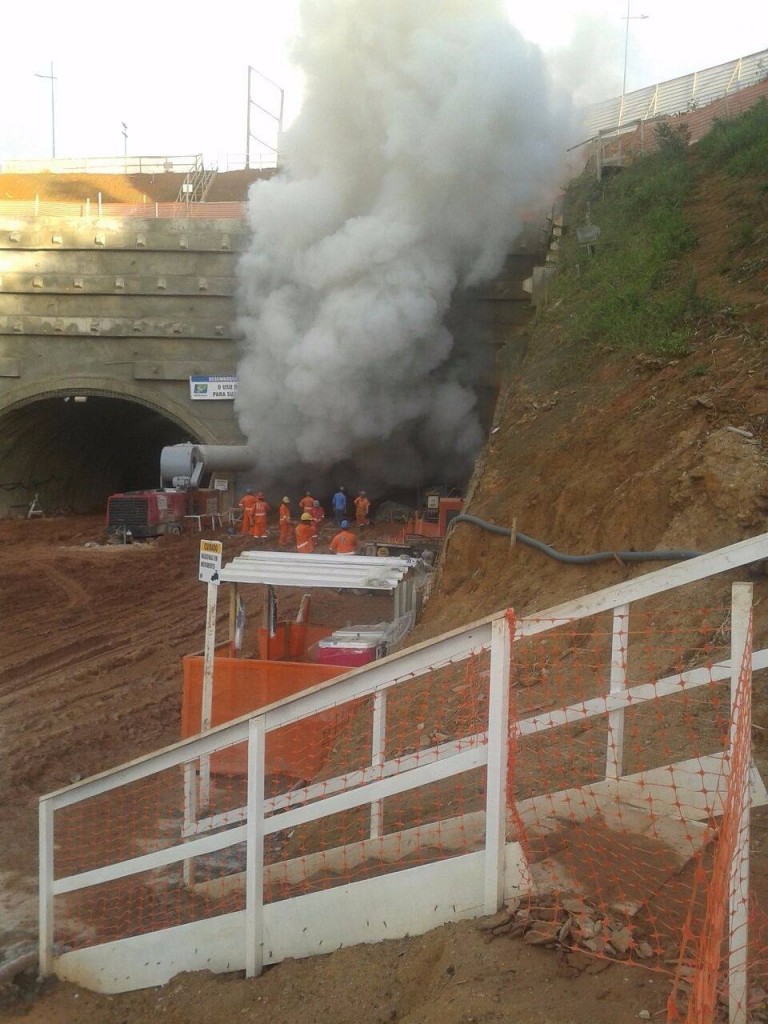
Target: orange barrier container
(241, 685)
(291, 641)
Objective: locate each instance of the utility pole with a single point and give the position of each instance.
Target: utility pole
(627, 17)
(52, 78)
(276, 117)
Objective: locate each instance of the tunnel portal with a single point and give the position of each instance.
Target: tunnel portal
(75, 449)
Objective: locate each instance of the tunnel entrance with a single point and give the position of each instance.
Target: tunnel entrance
(74, 450)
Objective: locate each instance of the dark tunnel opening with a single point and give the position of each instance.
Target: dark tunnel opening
(75, 450)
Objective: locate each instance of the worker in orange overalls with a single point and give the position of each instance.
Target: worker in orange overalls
(286, 533)
(362, 504)
(307, 503)
(318, 515)
(305, 536)
(260, 510)
(246, 503)
(345, 542)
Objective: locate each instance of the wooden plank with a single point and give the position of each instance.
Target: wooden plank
(496, 775)
(254, 866)
(614, 756)
(45, 894)
(463, 762)
(740, 731)
(149, 861)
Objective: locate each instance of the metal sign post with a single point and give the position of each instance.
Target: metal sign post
(210, 566)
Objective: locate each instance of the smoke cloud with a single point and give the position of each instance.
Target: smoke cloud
(428, 130)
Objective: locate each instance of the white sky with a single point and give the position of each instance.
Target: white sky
(176, 73)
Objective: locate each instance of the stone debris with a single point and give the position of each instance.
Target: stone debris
(588, 939)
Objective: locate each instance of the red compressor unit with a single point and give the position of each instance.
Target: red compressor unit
(143, 514)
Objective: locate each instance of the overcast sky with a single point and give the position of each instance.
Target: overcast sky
(176, 73)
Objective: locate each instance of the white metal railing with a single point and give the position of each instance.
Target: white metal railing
(251, 823)
(136, 164)
(102, 165)
(677, 94)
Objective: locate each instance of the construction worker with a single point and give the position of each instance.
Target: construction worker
(345, 542)
(305, 535)
(318, 515)
(362, 504)
(286, 533)
(307, 502)
(260, 510)
(340, 505)
(246, 503)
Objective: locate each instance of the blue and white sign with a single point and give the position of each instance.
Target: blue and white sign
(209, 388)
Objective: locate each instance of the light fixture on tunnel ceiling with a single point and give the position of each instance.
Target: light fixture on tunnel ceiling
(81, 398)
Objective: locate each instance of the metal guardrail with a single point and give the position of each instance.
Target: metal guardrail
(676, 95)
(103, 165)
(136, 164)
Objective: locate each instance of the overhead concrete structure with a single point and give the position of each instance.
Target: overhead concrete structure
(106, 320)
(103, 323)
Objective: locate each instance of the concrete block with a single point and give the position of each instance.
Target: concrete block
(141, 241)
(100, 239)
(37, 281)
(202, 284)
(57, 240)
(14, 236)
(78, 283)
(183, 242)
(226, 243)
(162, 284)
(119, 283)
(10, 368)
(18, 327)
(137, 327)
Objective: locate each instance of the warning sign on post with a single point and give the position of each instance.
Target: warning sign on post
(210, 561)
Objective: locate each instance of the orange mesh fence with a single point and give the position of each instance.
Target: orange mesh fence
(329, 752)
(620, 781)
(704, 953)
(138, 819)
(438, 714)
(626, 764)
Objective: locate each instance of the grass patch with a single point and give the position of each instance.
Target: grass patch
(738, 146)
(630, 293)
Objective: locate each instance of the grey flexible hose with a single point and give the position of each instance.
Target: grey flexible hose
(600, 556)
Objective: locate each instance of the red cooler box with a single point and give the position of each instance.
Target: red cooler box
(344, 650)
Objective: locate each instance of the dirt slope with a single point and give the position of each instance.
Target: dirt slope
(592, 450)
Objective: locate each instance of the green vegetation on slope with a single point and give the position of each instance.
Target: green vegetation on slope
(634, 290)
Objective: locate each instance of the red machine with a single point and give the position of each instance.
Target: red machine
(434, 521)
(143, 514)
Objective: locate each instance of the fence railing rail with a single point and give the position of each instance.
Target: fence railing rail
(501, 866)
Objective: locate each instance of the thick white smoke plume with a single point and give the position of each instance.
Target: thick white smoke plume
(428, 129)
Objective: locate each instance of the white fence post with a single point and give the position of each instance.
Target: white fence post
(45, 895)
(206, 707)
(254, 864)
(738, 896)
(614, 757)
(378, 755)
(496, 778)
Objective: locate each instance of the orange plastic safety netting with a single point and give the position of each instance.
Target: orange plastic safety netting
(416, 723)
(627, 760)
